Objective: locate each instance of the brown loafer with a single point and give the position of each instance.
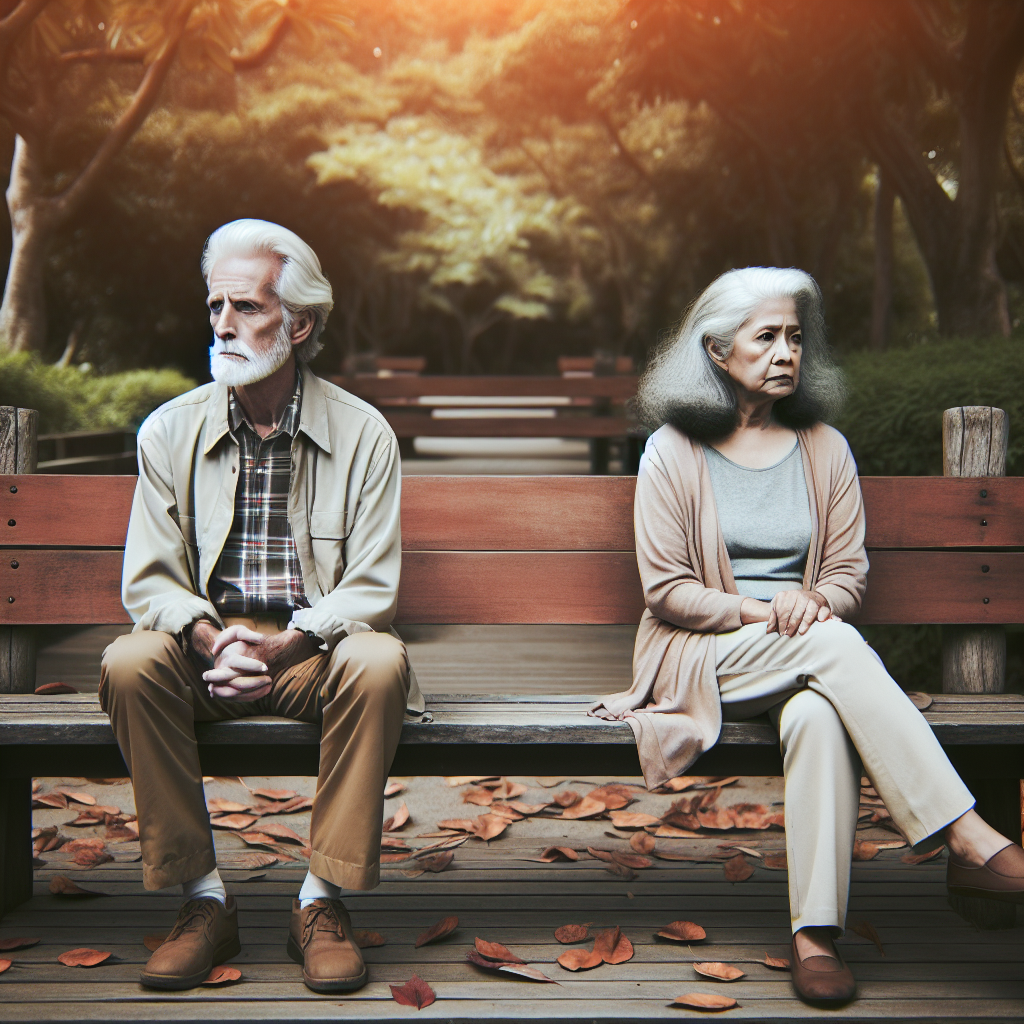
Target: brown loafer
(205, 935)
(1000, 878)
(822, 979)
(320, 938)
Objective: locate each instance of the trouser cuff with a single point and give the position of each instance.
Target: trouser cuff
(344, 873)
(822, 917)
(195, 865)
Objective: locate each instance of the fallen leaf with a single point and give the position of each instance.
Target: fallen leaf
(49, 689)
(566, 798)
(396, 858)
(394, 788)
(296, 804)
(441, 930)
(866, 930)
(553, 853)
(256, 859)
(282, 832)
(79, 798)
(642, 842)
(479, 796)
(586, 808)
(61, 886)
(256, 838)
(83, 957)
(605, 855)
(620, 870)
(394, 843)
(488, 826)
(120, 834)
(525, 971)
(274, 794)
(496, 951)
(365, 939)
(570, 933)
(632, 819)
(506, 811)
(683, 931)
(776, 862)
(742, 849)
(528, 809)
(671, 832)
(90, 858)
(708, 799)
(703, 1001)
(221, 806)
(463, 780)
(233, 821)
(921, 701)
(613, 946)
(920, 858)
(718, 781)
(437, 863)
(776, 963)
(447, 843)
(613, 795)
(632, 860)
(58, 800)
(90, 843)
(398, 820)
(893, 844)
(415, 992)
(719, 971)
(155, 941)
(414, 872)
(681, 782)
(580, 959)
(222, 974)
(6, 945)
(4, 965)
(738, 868)
(549, 781)
(509, 790)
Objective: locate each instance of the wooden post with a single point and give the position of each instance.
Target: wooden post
(18, 432)
(974, 442)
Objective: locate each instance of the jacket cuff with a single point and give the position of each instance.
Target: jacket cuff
(327, 628)
(173, 618)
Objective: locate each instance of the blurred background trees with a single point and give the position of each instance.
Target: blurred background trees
(496, 183)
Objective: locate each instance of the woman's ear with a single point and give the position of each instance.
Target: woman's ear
(717, 356)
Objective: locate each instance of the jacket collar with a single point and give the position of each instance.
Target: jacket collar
(312, 413)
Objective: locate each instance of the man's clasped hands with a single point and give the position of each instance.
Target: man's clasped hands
(244, 662)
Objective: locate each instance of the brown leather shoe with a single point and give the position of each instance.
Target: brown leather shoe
(1000, 878)
(320, 938)
(822, 979)
(205, 935)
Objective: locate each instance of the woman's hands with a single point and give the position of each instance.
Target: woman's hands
(791, 612)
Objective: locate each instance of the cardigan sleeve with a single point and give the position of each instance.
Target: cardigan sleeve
(666, 551)
(844, 562)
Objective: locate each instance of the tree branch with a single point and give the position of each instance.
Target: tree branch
(247, 61)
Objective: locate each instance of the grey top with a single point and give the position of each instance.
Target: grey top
(765, 516)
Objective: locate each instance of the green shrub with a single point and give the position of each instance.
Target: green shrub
(70, 398)
(893, 419)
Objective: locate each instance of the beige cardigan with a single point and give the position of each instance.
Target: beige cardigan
(674, 706)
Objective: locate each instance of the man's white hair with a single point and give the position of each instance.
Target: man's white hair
(683, 386)
(301, 286)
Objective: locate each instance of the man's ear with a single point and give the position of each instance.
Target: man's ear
(302, 327)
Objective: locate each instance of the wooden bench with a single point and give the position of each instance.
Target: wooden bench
(590, 407)
(502, 550)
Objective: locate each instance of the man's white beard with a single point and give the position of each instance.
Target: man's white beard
(257, 366)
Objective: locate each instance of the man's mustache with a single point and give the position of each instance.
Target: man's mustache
(227, 348)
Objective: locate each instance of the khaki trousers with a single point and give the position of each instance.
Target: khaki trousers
(154, 695)
(836, 709)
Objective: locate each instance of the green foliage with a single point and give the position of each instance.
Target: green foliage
(75, 398)
(893, 418)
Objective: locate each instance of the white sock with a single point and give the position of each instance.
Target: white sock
(316, 888)
(206, 887)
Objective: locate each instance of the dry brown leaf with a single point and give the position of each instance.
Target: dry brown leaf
(479, 796)
(553, 853)
(718, 781)
(704, 1001)
(396, 858)
(528, 809)
(719, 971)
(892, 844)
(580, 959)
(90, 858)
(398, 820)
(120, 834)
(233, 821)
(632, 860)
(632, 819)
(5, 965)
(448, 843)
(275, 794)
(921, 701)
(570, 933)
(293, 806)
(415, 992)
(776, 963)
(437, 863)
(549, 781)
(613, 946)
(282, 832)
(605, 855)
(83, 957)
(222, 974)
(256, 859)
(219, 805)
(920, 858)
(620, 870)
(58, 800)
(155, 941)
(394, 843)
(256, 838)
(738, 868)
(641, 842)
(79, 798)
(61, 886)
(89, 843)
(413, 872)
(496, 951)
(7, 945)
(586, 808)
(509, 790)
(50, 689)
(864, 851)
(681, 782)
(525, 971)
(750, 851)
(866, 930)
(671, 832)
(566, 798)
(505, 811)
(463, 780)
(776, 862)
(683, 931)
(365, 939)
(613, 795)
(441, 930)
(394, 788)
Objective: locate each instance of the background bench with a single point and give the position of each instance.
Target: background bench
(500, 550)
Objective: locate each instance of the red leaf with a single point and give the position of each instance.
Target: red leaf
(570, 933)
(415, 992)
(613, 946)
(222, 974)
(4, 964)
(703, 1001)
(496, 951)
(441, 930)
(48, 689)
(83, 957)
(775, 861)
(6, 945)
(580, 959)
(683, 931)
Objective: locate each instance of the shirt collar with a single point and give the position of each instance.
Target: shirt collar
(289, 422)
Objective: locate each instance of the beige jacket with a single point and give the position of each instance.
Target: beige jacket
(344, 510)
(674, 706)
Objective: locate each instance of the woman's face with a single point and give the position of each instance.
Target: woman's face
(765, 357)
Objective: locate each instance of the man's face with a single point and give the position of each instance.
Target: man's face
(249, 341)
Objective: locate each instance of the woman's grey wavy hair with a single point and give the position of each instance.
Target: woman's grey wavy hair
(684, 387)
(301, 286)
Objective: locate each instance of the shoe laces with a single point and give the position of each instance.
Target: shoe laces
(321, 909)
(195, 915)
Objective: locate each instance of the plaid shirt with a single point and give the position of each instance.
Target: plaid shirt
(258, 569)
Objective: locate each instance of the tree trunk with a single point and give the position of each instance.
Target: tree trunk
(23, 313)
(881, 298)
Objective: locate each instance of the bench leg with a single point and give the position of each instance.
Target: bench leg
(15, 842)
(999, 804)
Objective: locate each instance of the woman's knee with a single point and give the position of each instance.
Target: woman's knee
(128, 664)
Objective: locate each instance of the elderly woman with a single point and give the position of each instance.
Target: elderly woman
(750, 542)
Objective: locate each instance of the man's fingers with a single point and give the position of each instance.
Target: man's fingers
(236, 666)
(230, 693)
(233, 634)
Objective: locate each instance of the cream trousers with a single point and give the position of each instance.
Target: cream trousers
(836, 709)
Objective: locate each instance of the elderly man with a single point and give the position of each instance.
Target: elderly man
(261, 570)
